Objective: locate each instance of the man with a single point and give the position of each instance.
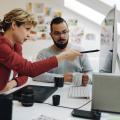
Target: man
(70, 70)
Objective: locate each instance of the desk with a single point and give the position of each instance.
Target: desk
(28, 113)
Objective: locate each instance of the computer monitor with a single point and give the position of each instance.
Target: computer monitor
(108, 43)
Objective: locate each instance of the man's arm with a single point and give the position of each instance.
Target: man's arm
(45, 77)
(86, 66)
(86, 73)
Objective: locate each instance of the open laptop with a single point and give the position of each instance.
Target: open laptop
(106, 92)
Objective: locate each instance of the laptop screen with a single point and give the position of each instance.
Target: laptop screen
(106, 92)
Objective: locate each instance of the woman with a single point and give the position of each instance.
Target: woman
(16, 27)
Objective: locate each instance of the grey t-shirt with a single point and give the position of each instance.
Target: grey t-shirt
(79, 65)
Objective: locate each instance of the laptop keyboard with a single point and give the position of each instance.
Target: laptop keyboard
(79, 92)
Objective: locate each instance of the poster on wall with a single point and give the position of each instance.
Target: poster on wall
(38, 7)
(35, 7)
(57, 13)
(90, 36)
(29, 7)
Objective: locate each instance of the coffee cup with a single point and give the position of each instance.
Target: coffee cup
(56, 100)
(59, 81)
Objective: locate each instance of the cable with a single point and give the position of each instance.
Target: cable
(70, 107)
(59, 106)
(84, 104)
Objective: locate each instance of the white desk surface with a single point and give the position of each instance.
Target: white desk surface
(29, 113)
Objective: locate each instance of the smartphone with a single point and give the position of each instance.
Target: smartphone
(89, 51)
(82, 114)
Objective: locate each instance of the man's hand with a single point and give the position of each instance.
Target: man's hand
(85, 79)
(11, 84)
(68, 77)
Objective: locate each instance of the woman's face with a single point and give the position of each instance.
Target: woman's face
(21, 33)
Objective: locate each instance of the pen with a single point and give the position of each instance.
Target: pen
(89, 51)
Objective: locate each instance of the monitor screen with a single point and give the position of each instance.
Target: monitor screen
(108, 43)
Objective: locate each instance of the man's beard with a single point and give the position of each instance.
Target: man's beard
(61, 44)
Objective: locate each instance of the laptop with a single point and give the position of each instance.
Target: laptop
(106, 92)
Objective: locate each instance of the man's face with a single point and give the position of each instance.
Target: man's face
(60, 35)
(21, 33)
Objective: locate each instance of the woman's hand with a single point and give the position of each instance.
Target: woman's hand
(68, 54)
(11, 84)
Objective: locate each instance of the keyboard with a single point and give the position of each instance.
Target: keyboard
(79, 92)
(41, 93)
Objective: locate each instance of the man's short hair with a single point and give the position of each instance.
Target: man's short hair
(57, 20)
